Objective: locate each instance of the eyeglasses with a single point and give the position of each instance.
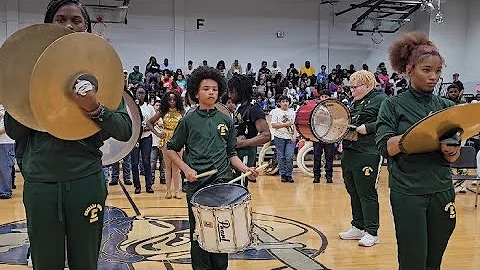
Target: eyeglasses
(356, 86)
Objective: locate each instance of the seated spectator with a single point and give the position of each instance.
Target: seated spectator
(152, 71)
(165, 65)
(135, 79)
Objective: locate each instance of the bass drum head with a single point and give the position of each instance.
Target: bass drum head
(330, 120)
(114, 150)
(220, 195)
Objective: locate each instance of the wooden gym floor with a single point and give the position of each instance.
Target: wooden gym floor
(302, 217)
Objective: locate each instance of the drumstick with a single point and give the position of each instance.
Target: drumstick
(263, 166)
(212, 172)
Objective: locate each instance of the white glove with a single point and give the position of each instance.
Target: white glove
(83, 86)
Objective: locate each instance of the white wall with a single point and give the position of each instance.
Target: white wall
(471, 72)
(243, 30)
(450, 36)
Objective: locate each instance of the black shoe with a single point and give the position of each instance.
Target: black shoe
(5, 196)
(290, 179)
(128, 183)
(184, 189)
(150, 190)
(253, 181)
(316, 180)
(163, 181)
(284, 178)
(14, 186)
(329, 180)
(138, 190)
(112, 183)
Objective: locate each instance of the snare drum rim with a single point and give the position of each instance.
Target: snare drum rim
(323, 103)
(247, 198)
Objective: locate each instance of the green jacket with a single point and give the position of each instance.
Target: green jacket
(413, 174)
(365, 111)
(209, 139)
(49, 159)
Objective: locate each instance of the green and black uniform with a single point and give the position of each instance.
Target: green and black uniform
(64, 192)
(361, 164)
(209, 139)
(421, 190)
(244, 119)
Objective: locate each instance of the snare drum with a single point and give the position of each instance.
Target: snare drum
(223, 218)
(327, 121)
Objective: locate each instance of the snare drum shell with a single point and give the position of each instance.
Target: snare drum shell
(224, 229)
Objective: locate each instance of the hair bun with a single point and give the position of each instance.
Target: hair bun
(402, 50)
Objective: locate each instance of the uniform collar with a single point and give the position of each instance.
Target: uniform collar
(367, 96)
(205, 112)
(420, 95)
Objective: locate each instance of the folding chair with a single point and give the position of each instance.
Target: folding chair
(467, 160)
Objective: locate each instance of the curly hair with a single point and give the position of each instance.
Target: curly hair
(55, 5)
(165, 106)
(201, 73)
(365, 77)
(410, 49)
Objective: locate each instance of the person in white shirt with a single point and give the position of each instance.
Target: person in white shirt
(285, 137)
(144, 145)
(7, 159)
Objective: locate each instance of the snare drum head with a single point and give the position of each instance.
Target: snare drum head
(220, 195)
(330, 120)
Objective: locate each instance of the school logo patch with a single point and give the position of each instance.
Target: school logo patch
(450, 207)
(222, 129)
(367, 170)
(92, 212)
(163, 242)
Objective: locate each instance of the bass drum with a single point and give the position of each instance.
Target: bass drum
(114, 150)
(327, 121)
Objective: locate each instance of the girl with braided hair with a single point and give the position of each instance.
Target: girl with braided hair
(422, 196)
(64, 192)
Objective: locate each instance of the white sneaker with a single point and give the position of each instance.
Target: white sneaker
(29, 262)
(353, 234)
(368, 240)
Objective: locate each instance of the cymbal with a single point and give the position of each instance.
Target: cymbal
(114, 150)
(18, 56)
(51, 84)
(424, 136)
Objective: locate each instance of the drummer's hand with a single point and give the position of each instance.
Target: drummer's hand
(254, 172)
(362, 129)
(448, 150)
(190, 174)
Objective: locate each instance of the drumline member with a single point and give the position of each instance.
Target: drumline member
(361, 161)
(421, 190)
(172, 111)
(209, 138)
(249, 119)
(321, 147)
(285, 137)
(64, 190)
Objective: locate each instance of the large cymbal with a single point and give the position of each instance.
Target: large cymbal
(18, 56)
(51, 84)
(424, 136)
(114, 150)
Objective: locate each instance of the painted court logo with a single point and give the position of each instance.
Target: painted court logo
(164, 242)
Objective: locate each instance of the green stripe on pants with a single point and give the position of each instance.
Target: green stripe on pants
(71, 211)
(360, 174)
(423, 226)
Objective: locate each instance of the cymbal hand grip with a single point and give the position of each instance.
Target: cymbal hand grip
(85, 83)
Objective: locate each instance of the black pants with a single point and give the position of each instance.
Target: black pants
(423, 226)
(318, 149)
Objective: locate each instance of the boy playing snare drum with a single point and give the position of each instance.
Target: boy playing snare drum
(209, 139)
